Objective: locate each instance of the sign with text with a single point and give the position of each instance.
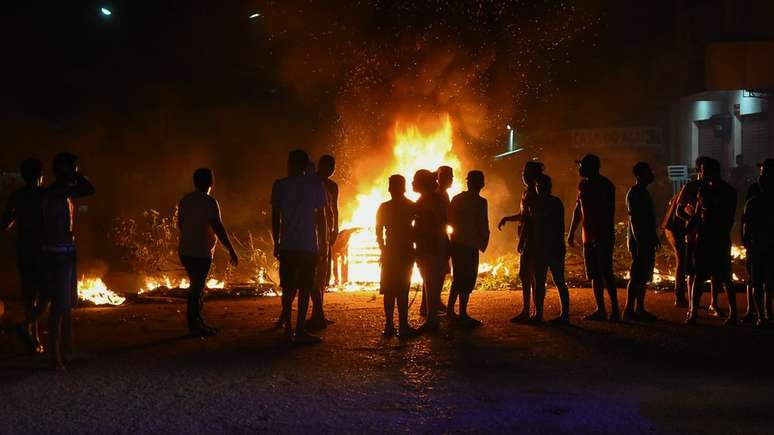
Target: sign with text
(641, 137)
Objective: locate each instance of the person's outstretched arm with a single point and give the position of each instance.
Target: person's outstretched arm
(512, 218)
(217, 226)
(577, 217)
(9, 215)
(82, 187)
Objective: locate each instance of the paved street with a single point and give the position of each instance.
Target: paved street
(135, 373)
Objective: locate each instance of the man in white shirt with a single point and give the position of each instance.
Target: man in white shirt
(469, 218)
(198, 218)
(299, 230)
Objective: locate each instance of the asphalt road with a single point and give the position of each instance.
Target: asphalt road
(135, 373)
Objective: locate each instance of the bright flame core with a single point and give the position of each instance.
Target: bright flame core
(96, 291)
(415, 148)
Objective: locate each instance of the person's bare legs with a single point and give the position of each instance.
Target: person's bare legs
(540, 273)
(632, 290)
(696, 289)
(389, 312)
(612, 292)
(564, 295)
(599, 298)
(731, 320)
(526, 277)
(453, 293)
(714, 306)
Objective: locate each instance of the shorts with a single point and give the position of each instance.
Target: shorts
(464, 267)
(643, 263)
(396, 269)
(297, 269)
(712, 259)
(598, 257)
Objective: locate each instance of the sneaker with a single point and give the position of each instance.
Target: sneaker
(681, 302)
(304, 337)
(715, 311)
(629, 316)
(596, 316)
(408, 332)
(389, 331)
(523, 317)
(559, 321)
(690, 318)
(470, 322)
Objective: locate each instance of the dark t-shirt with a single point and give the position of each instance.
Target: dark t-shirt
(717, 208)
(430, 224)
(547, 235)
(758, 228)
(394, 218)
(25, 210)
(642, 217)
(596, 197)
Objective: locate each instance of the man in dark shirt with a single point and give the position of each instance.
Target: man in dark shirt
(432, 242)
(59, 253)
(325, 168)
(547, 244)
(532, 170)
(687, 198)
(469, 218)
(394, 234)
(758, 239)
(643, 242)
(595, 209)
(25, 211)
(445, 177)
(713, 218)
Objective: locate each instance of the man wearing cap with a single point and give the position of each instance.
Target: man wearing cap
(469, 218)
(595, 210)
(642, 242)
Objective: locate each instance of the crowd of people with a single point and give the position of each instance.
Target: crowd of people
(441, 235)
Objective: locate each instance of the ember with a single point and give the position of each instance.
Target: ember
(95, 290)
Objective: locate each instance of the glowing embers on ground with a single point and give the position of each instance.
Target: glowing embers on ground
(425, 146)
(95, 290)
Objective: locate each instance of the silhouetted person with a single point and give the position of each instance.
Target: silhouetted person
(674, 231)
(687, 197)
(59, 258)
(25, 211)
(325, 168)
(532, 170)
(432, 242)
(200, 224)
(300, 233)
(758, 239)
(445, 177)
(595, 209)
(469, 218)
(643, 242)
(395, 235)
(742, 175)
(713, 218)
(547, 241)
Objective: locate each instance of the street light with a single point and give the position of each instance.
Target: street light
(254, 16)
(512, 148)
(105, 11)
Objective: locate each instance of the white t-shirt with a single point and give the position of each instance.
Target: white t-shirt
(196, 211)
(298, 198)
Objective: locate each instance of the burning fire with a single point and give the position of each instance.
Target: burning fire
(738, 252)
(415, 148)
(95, 291)
(658, 276)
(165, 281)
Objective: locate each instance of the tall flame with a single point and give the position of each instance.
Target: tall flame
(415, 147)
